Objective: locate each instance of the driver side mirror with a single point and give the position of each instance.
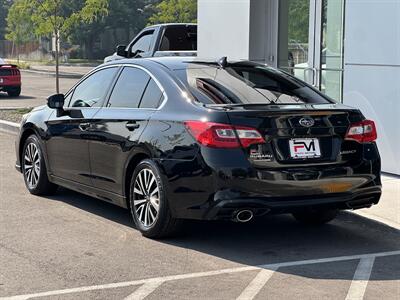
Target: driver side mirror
(56, 101)
(121, 50)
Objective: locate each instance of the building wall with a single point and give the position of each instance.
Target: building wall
(372, 70)
(223, 29)
(238, 29)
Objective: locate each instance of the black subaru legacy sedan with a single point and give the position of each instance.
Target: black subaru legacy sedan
(179, 138)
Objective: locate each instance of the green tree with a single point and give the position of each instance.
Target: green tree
(299, 19)
(19, 24)
(128, 16)
(170, 11)
(4, 7)
(57, 17)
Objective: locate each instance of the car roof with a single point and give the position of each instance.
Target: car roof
(179, 62)
(173, 62)
(171, 24)
(170, 62)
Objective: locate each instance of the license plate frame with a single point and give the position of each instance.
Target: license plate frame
(304, 148)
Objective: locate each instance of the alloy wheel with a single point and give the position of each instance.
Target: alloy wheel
(32, 165)
(146, 197)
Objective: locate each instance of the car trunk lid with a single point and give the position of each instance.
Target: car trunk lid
(298, 134)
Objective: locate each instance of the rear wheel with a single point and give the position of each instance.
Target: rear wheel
(316, 217)
(148, 202)
(15, 92)
(34, 168)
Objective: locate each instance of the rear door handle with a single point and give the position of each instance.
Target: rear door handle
(84, 126)
(132, 126)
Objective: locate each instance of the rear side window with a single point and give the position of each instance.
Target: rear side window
(247, 83)
(152, 97)
(129, 88)
(179, 38)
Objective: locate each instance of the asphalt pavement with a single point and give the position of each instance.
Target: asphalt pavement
(69, 246)
(35, 90)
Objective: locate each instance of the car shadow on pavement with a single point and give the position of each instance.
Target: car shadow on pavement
(273, 239)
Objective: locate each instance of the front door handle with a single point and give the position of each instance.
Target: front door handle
(84, 126)
(132, 126)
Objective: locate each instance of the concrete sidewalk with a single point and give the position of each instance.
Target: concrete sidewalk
(64, 71)
(388, 209)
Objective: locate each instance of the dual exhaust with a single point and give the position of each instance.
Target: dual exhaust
(243, 216)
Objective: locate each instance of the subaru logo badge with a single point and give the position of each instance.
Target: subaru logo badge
(306, 122)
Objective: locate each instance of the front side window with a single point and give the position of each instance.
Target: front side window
(247, 83)
(129, 88)
(143, 43)
(91, 91)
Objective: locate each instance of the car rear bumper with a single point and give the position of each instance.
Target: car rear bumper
(7, 87)
(227, 209)
(208, 196)
(214, 187)
(13, 81)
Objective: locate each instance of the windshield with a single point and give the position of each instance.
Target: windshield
(246, 83)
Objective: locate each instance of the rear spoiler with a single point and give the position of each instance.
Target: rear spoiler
(8, 66)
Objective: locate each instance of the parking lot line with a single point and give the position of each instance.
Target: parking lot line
(201, 274)
(145, 290)
(360, 279)
(256, 284)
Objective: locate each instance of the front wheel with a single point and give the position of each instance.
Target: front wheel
(148, 202)
(316, 217)
(34, 168)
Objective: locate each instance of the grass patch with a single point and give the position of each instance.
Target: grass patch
(23, 111)
(21, 64)
(14, 115)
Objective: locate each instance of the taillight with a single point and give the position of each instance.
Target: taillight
(362, 132)
(218, 135)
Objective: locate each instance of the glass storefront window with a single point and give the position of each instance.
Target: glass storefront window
(332, 48)
(310, 43)
(294, 36)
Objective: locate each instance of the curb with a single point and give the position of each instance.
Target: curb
(14, 108)
(8, 126)
(52, 74)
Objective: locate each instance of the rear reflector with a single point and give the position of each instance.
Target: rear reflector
(218, 135)
(362, 132)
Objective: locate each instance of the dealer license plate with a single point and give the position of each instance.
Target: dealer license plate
(304, 148)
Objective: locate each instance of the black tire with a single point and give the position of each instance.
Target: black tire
(316, 217)
(42, 186)
(164, 224)
(15, 92)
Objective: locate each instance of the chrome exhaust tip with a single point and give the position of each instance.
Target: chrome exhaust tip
(244, 216)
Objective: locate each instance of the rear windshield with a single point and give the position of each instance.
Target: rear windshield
(179, 38)
(246, 83)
